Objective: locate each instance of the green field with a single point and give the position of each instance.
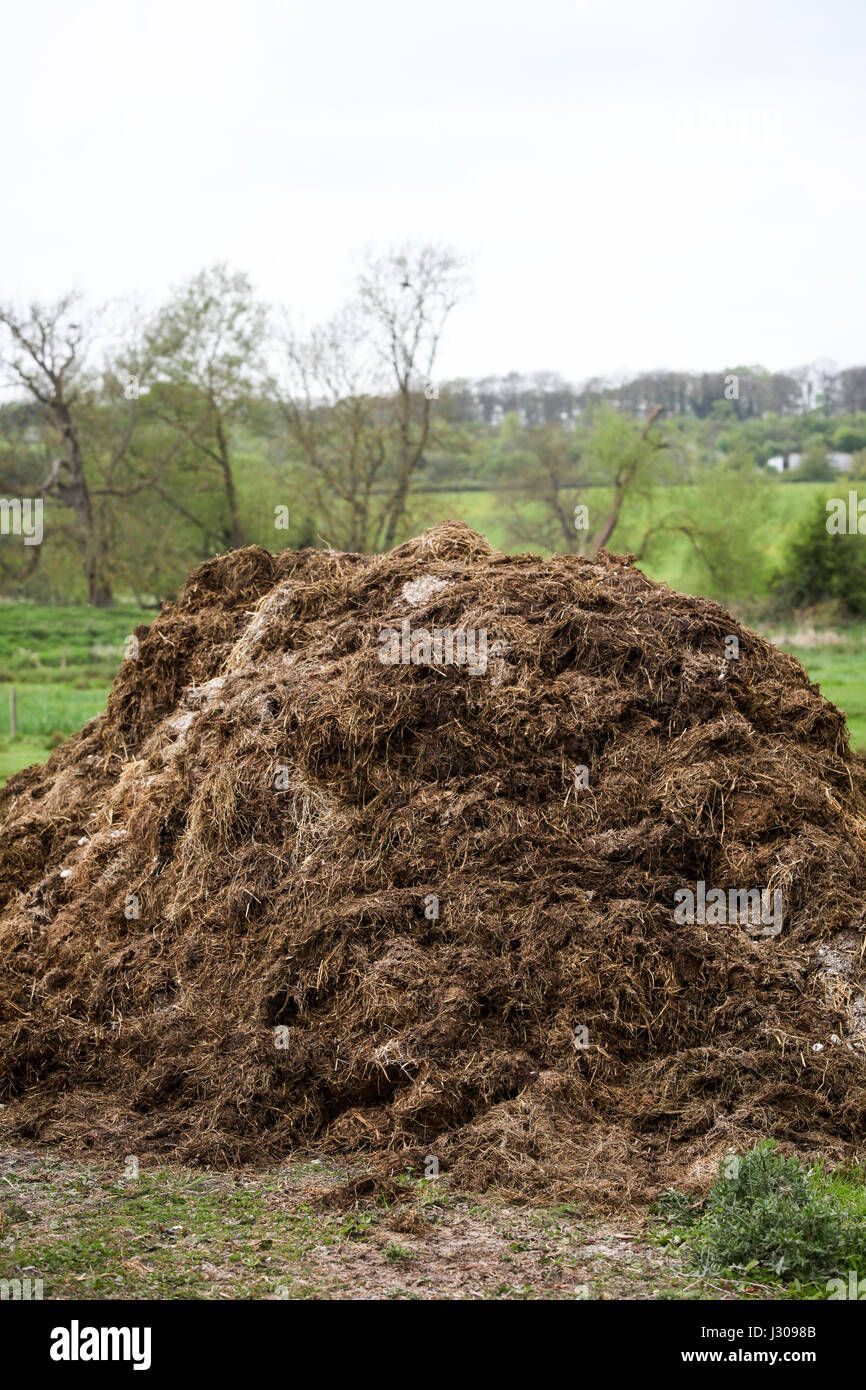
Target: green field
(772, 515)
(61, 662)
(836, 661)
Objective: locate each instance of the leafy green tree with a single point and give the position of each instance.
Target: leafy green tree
(814, 466)
(542, 466)
(725, 517)
(858, 466)
(625, 456)
(850, 437)
(208, 347)
(557, 471)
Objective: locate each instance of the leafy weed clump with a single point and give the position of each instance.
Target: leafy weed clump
(769, 1214)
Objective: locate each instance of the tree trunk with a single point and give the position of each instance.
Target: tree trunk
(99, 594)
(76, 494)
(409, 457)
(396, 510)
(237, 532)
(96, 570)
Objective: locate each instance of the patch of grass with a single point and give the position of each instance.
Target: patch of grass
(61, 662)
(176, 1233)
(840, 671)
(21, 753)
(768, 1217)
(46, 711)
(395, 1252)
(37, 639)
(677, 1208)
(170, 1235)
(46, 716)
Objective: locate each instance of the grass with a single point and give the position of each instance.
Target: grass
(46, 710)
(771, 1220)
(37, 639)
(21, 753)
(61, 662)
(838, 667)
(169, 1234)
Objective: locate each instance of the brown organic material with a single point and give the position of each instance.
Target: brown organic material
(279, 806)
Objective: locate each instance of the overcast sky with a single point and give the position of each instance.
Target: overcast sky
(638, 183)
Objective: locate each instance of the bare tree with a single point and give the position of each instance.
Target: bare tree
(94, 420)
(559, 471)
(358, 394)
(45, 354)
(337, 424)
(406, 297)
(544, 464)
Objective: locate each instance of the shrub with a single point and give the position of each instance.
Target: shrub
(820, 567)
(768, 1212)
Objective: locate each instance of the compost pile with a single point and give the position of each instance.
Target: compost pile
(283, 896)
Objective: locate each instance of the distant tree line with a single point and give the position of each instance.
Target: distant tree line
(542, 398)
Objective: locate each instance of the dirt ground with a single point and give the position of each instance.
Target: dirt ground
(94, 1231)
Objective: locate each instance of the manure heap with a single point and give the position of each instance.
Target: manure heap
(286, 895)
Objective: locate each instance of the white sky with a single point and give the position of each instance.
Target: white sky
(639, 183)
